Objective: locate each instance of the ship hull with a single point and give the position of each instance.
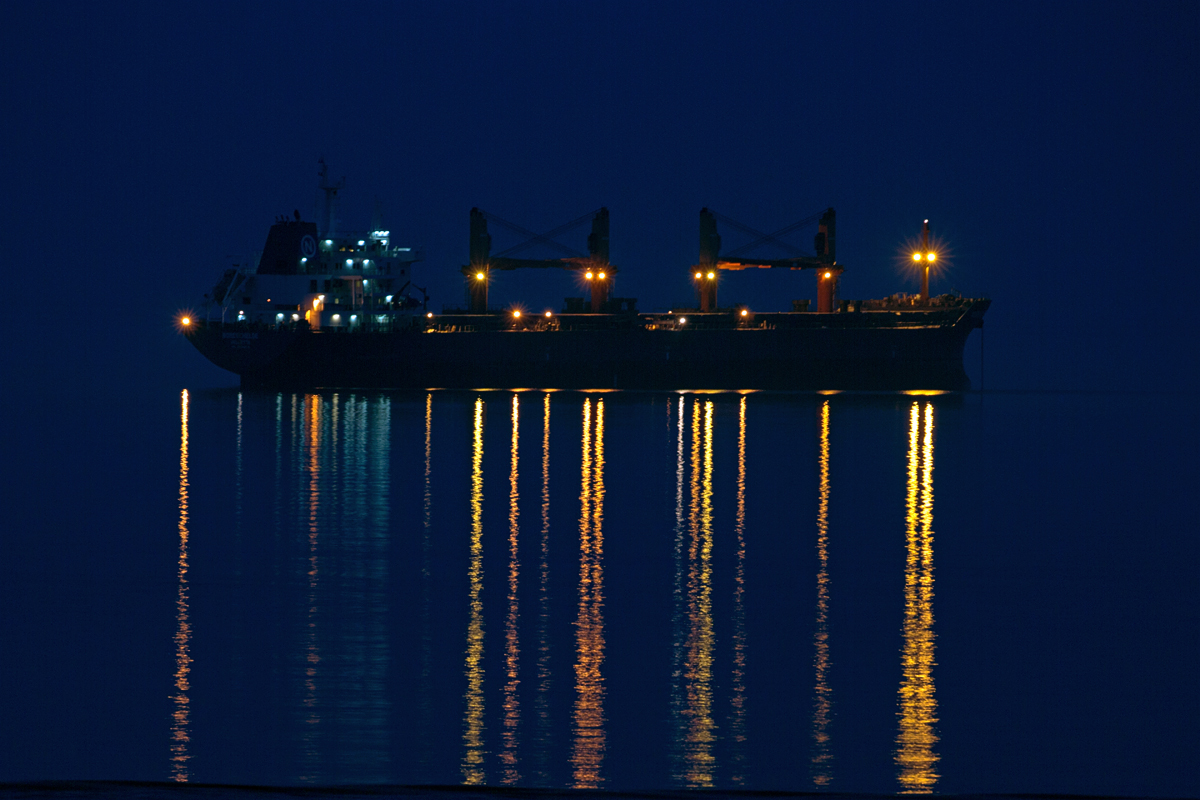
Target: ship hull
(843, 355)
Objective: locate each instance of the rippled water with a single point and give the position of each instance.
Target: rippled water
(883, 593)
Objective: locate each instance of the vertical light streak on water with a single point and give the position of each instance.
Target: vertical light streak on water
(737, 712)
(181, 717)
(236, 719)
(239, 488)
(277, 509)
(363, 640)
(698, 669)
(425, 689)
(542, 700)
(678, 635)
(587, 757)
(512, 646)
(377, 601)
(822, 756)
(917, 735)
(312, 652)
(473, 721)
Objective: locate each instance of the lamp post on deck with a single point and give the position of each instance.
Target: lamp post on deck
(928, 257)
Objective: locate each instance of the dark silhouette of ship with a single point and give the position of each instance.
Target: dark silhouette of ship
(325, 308)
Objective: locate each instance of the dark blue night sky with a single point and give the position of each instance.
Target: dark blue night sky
(1052, 146)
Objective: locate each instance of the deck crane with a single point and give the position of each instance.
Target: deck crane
(704, 274)
(594, 267)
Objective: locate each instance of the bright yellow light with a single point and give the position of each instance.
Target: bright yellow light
(316, 303)
(602, 276)
(478, 276)
(430, 315)
(185, 321)
(516, 315)
(916, 256)
(931, 256)
(828, 274)
(588, 276)
(547, 313)
(744, 312)
(698, 276)
(712, 275)
(683, 320)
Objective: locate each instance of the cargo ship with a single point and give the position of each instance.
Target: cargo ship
(322, 308)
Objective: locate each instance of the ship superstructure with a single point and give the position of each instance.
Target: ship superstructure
(313, 276)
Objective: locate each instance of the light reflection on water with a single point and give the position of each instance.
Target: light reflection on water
(512, 645)
(915, 756)
(587, 756)
(183, 629)
(822, 755)
(473, 723)
(333, 485)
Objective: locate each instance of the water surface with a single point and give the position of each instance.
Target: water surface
(629, 591)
